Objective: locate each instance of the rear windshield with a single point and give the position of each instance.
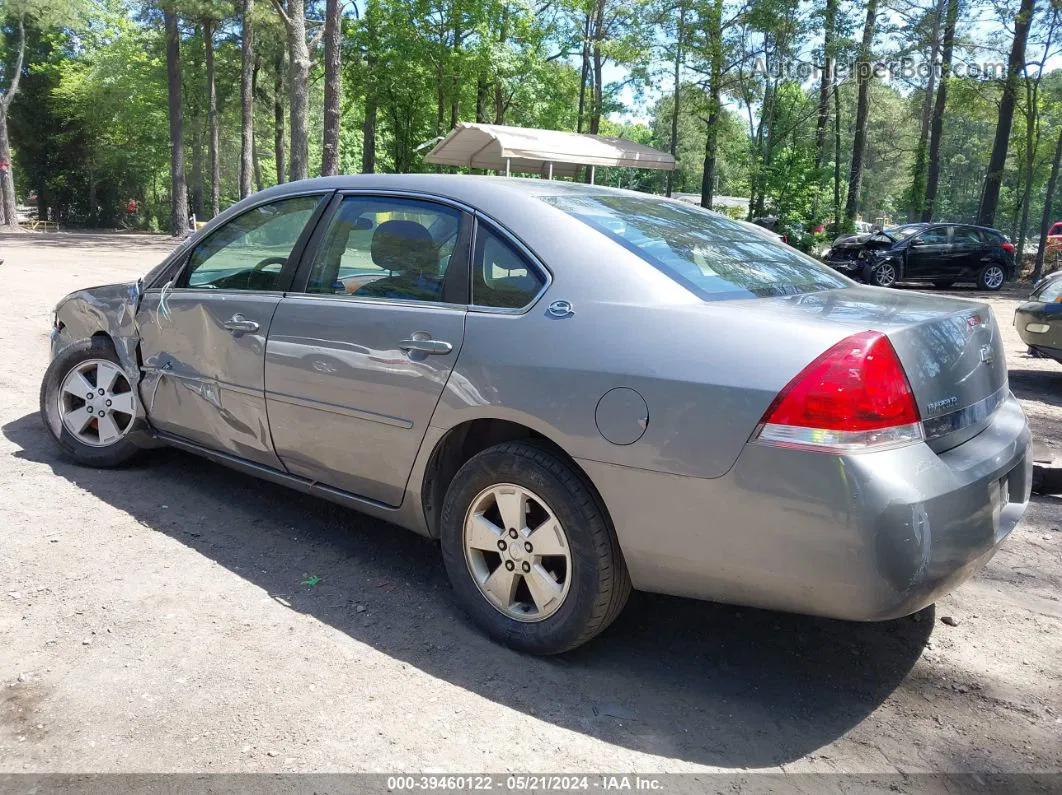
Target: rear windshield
(712, 256)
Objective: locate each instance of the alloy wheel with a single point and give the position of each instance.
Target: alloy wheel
(994, 277)
(884, 275)
(97, 403)
(517, 552)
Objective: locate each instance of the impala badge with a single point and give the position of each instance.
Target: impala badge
(987, 356)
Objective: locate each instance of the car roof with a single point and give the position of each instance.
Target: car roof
(471, 189)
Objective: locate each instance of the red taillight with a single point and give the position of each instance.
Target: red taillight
(1008, 246)
(785, 239)
(853, 397)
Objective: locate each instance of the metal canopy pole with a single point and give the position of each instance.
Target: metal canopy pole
(551, 169)
(506, 166)
(593, 174)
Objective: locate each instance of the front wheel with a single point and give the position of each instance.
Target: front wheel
(991, 277)
(883, 274)
(89, 405)
(529, 550)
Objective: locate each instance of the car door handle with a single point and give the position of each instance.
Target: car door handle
(434, 347)
(238, 324)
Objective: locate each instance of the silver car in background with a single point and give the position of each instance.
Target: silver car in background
(577, 390)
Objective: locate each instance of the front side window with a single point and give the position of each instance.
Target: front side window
(502, 277)
(937, 236)
(389, 248)
(250, 251)
(710, 255)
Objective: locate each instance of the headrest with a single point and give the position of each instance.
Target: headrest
(403, 246)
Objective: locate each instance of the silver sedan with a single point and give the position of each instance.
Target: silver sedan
(576, 390)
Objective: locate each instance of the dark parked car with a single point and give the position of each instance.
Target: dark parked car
(939, 253)
(1039, 320)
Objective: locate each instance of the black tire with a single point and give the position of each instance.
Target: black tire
(883, 274)
(943, 285)
(989, 277)
(600, 583)
(121, 452)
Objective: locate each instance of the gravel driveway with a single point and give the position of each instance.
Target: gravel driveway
(159, 618)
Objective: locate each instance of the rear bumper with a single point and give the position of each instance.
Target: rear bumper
(863, 537)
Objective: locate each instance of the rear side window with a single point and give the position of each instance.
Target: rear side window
(964, 235)
(710, 255)
(502, 277)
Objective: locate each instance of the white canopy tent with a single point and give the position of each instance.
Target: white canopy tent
(549, 153)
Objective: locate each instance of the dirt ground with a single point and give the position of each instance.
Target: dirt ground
(155, 619)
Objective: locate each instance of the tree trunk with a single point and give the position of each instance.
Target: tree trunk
(7, 177)
(836, 160)
(986, 213)
(195, 186)
(714, 31)
(482, 90)
(248, 79)
(917, 200)
(680, 34)
(940, 104)
(1031, 142)
(278, 118)
(598, 63)
(823, 122)
(584, 73)
(7, 180)
(298, 85)
(212, 118)
(368, 127)
(332, 88)
(178, 186)
(855, 176)
(1045, 223)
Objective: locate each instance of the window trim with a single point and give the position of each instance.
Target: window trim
(301, 280)
(287, 273)
(533, 261)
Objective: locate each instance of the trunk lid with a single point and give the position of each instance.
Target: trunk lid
(950, 348)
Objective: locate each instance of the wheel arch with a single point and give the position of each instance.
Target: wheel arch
(467, 439)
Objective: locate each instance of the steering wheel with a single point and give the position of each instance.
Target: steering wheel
(281, 261)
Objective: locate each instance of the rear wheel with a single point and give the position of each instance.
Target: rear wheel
(89, 405)
(530, 552)
(991, 277)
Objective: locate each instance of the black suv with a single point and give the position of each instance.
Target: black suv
(938, 253)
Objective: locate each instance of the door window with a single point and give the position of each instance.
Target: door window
(502, 277)
(937, 236)
(390, 248)
(250, 251)
(965, 236)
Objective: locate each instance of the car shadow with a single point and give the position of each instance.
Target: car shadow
(706, 683)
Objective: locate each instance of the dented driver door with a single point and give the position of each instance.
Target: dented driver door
(203, 333)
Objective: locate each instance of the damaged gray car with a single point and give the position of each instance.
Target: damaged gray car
(576, 390)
